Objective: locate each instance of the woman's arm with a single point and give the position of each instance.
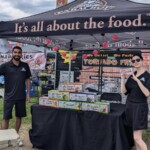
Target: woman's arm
(123, 88)
(141, 86)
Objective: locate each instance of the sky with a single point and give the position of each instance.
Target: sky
(14, 9)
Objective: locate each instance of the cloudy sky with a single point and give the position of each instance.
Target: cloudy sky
(14, 9)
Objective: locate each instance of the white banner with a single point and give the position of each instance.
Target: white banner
(64, 76)
(35, 60)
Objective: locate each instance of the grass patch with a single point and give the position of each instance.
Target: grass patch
(146, 136)
(26, 120)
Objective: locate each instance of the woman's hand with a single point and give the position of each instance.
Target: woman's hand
(122, 76)
(134, 77)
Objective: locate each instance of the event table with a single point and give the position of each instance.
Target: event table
(61, 129)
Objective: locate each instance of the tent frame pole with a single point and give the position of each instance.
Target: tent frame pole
(70, 61)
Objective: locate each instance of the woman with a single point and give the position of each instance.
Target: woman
(137, 89)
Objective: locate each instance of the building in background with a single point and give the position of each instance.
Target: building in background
(60, 3)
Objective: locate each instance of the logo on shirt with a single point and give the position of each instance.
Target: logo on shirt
(23, 69)
(142, 79)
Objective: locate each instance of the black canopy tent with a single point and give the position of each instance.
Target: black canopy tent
(82, 21)
(81, 25)
(126, 40)
(82, 17)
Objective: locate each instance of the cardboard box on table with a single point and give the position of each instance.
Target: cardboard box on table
(69, 105)
(84, 97)
(71, 87)
(58, 95)
(44, 101)
(98, 107)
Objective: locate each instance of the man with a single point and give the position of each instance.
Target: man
(17, 77)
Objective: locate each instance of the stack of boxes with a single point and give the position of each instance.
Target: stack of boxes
(70, 96)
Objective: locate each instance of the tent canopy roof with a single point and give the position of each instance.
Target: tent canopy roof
(84, 22)
(82, 17)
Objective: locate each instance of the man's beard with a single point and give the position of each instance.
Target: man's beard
(16, 58)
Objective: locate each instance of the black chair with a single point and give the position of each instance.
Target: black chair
(45, 89)
(91, 90)
(112, 97)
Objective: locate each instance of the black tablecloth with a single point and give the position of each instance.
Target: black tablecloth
(60, 129)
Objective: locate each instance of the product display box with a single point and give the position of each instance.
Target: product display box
(98, 107)
(57, 95)
(71, 87)
(69, 105)
(44, 101)
(85, 97)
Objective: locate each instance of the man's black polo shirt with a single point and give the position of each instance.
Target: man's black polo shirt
(15, 77)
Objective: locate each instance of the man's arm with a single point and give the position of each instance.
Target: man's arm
(28, 82)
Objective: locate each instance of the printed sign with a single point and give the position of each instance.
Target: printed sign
(64, 76)
(35, 60)
(108, 60)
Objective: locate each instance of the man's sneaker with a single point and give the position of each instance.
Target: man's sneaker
(20, 143)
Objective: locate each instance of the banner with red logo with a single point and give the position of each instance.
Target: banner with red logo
(35, 60)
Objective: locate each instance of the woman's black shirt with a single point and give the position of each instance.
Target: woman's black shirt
(133, 90)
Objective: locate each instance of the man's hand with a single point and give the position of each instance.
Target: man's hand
(28, 98)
